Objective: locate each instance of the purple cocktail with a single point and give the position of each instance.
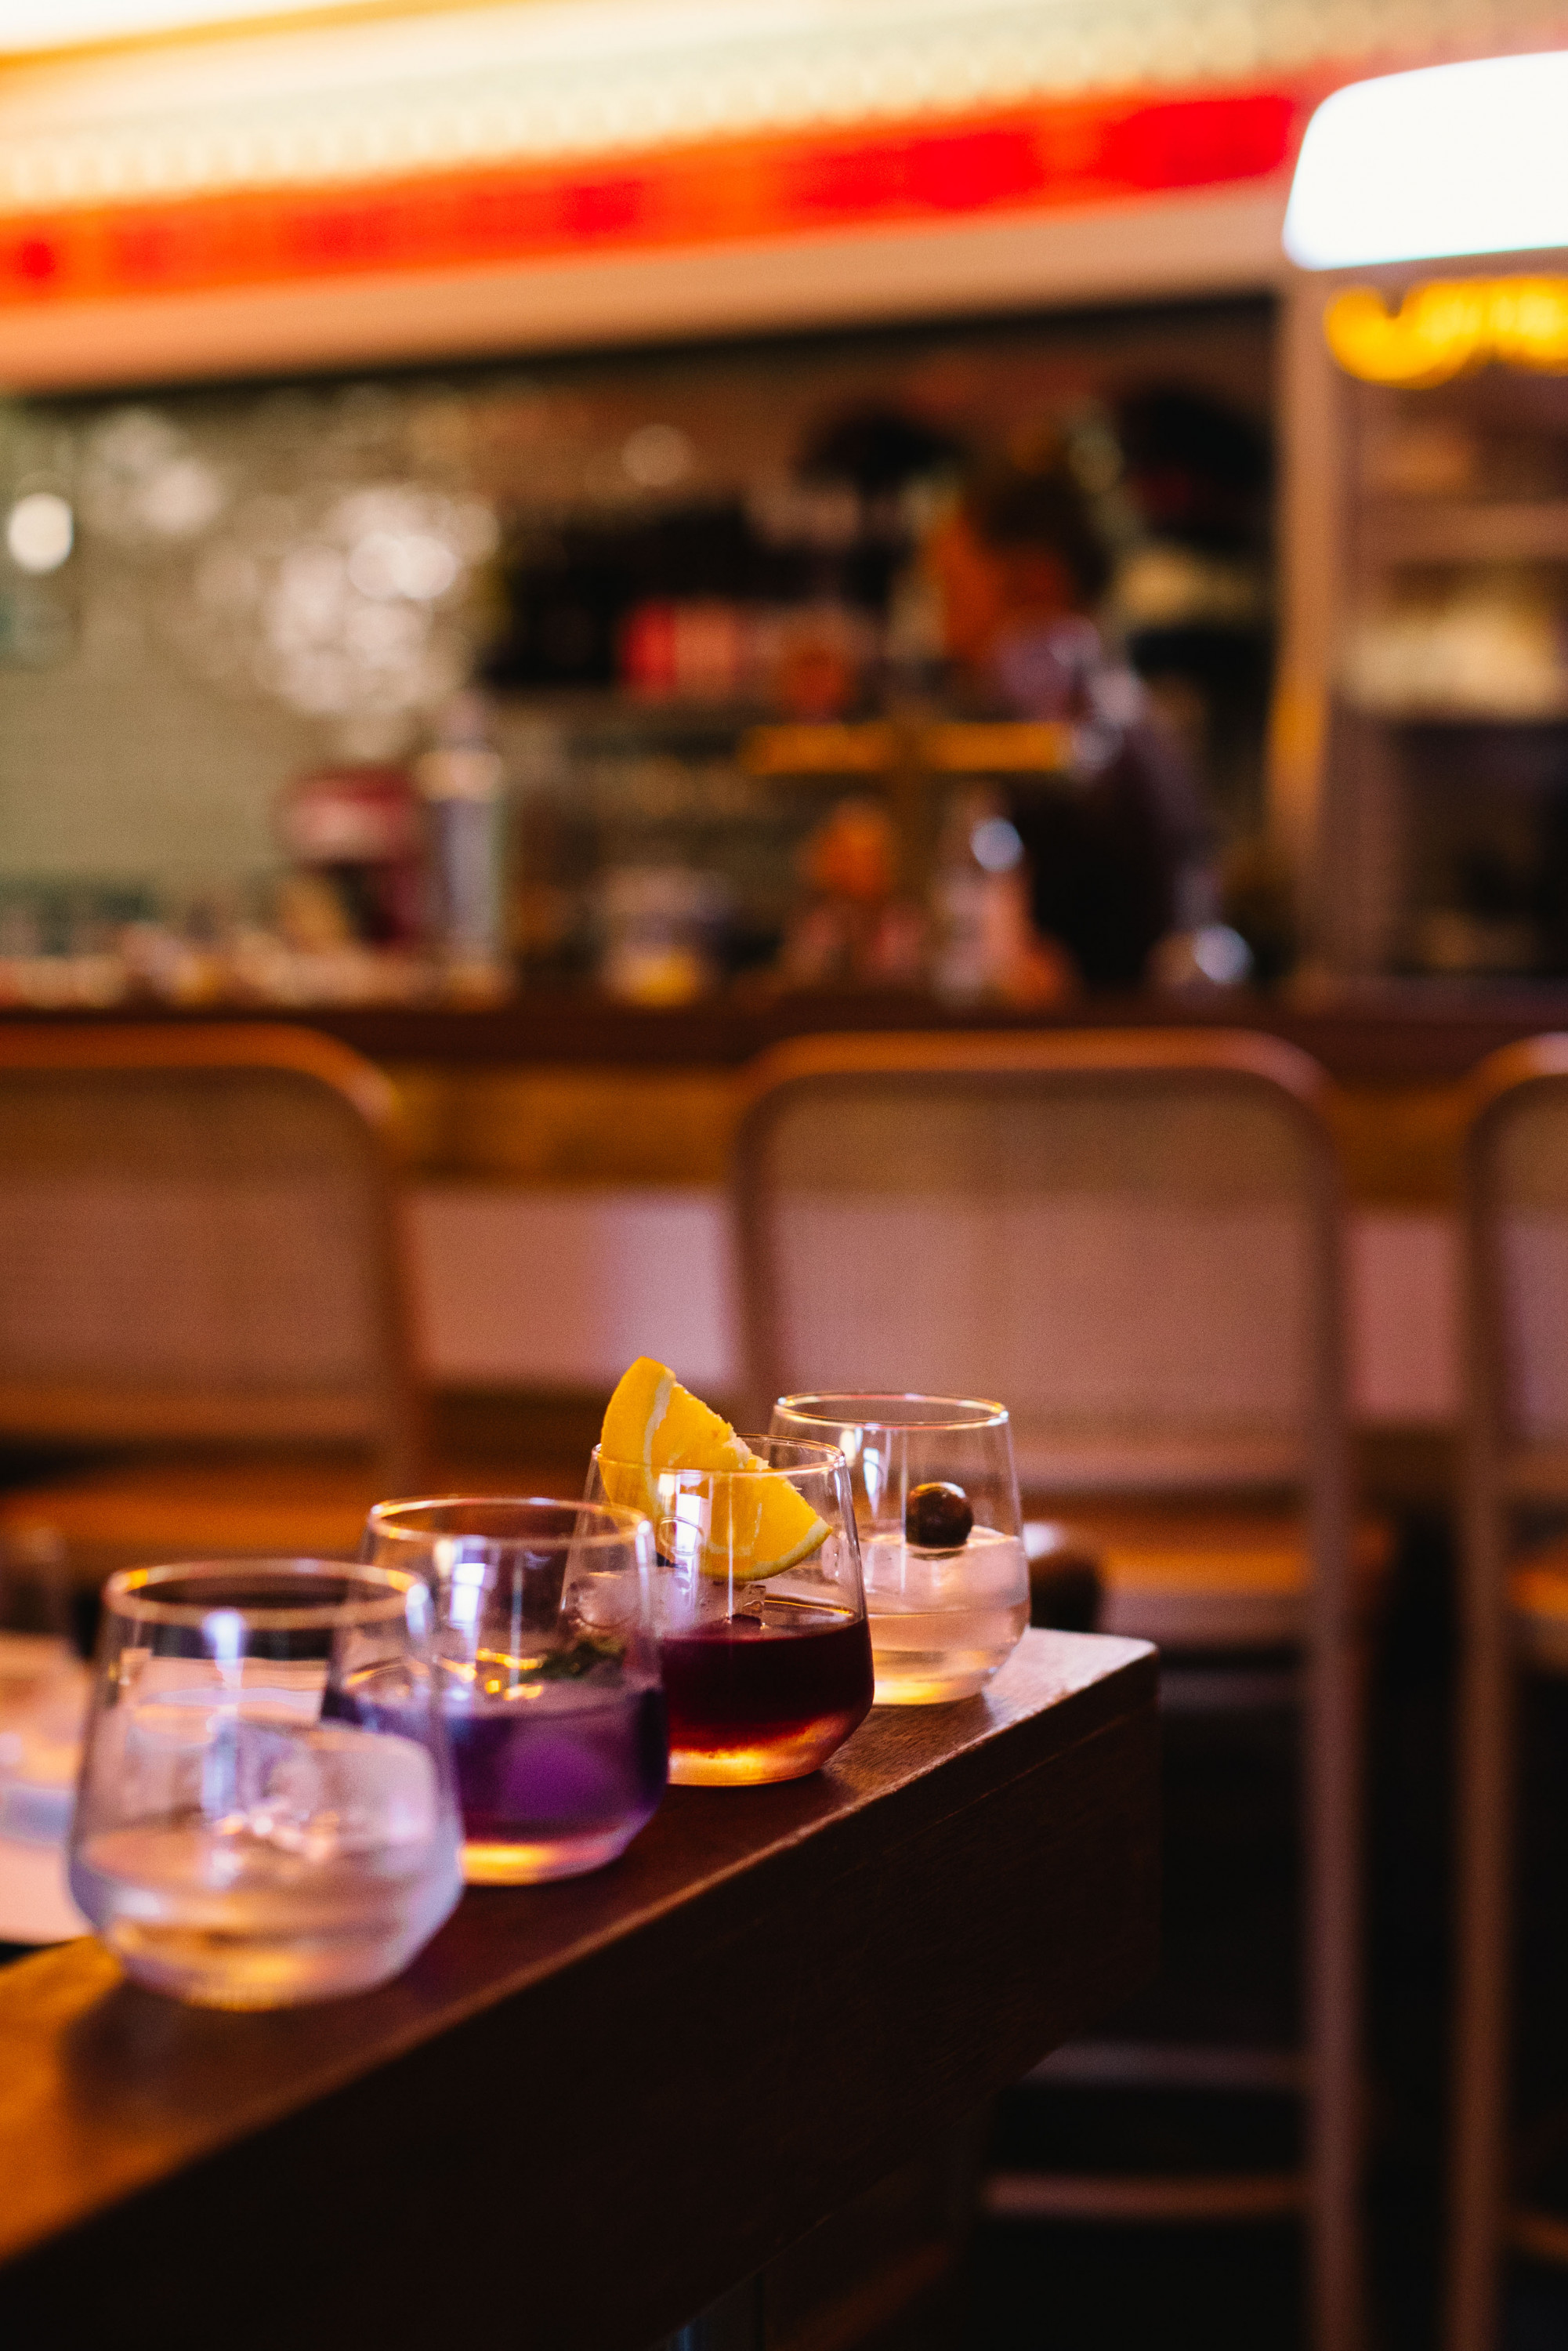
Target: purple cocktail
(546, 1674)
(555, 1776)
(557, 1780)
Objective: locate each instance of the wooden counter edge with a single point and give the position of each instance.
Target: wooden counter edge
(1080, 1801)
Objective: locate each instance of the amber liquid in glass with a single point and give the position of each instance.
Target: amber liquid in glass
(765, 1694)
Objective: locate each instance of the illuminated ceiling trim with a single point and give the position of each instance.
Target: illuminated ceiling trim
(56, 28)
(467, 135)
(471, 88)
(1037, 159)
(1209, 242)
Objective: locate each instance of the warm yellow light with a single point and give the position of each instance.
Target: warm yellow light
(63, 24)
(1450, 326)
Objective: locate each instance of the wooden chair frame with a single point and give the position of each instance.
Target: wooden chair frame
(1222, 1060)
(1498, 1472)
(397, 1430)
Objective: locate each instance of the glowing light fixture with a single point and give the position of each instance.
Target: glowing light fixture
(62, 23)
(40, 531)
(1418, 166)
(1446, 329)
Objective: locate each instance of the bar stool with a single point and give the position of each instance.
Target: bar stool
(1134, 1239)
(201, 1275)
(1514, 1618)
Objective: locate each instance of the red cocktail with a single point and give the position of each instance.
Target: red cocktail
(759, 1608)
(767, 1694)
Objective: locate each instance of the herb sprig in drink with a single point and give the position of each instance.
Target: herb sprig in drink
(548, 1674)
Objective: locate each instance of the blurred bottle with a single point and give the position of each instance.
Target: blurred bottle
(695, 650)
(460, 780)
(660, 926)
(850, 928)
(356, 829)
(985, 944)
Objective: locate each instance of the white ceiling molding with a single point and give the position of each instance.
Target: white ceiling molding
(485, 86)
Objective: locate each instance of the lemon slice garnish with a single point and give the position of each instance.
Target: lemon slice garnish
(757, 1524)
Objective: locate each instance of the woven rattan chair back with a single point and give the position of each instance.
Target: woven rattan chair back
(198, 1241)
(1515, 1453)
(1129, 1239)
(1133, 1240)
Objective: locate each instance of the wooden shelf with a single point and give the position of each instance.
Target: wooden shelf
(1458, 714)
(767, 745)
(1006, 746)
(1536, 531)
(1361, 1029)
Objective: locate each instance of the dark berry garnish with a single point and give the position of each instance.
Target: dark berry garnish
(937, 1517)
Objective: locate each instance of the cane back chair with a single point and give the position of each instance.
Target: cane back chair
(1134, 1239)
(200, 1277)
(1513, 1619)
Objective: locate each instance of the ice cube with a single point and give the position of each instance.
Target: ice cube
(335, 1790)
(882, 1562)
(991, 1566)
(249, 1763)
(149, 1751)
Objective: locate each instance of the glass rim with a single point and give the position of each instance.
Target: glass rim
(128, 1593)
(966, 1413)
(833, 1458)
(625, 1520)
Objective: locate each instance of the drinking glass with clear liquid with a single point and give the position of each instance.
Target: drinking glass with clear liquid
(941, 1534)
(242, 1837)
(547, 1672)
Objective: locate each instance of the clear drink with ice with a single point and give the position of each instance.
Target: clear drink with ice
(937, 1499)
(234, 1844)
(943, 1621)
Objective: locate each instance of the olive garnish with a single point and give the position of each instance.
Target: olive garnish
(937, 1517)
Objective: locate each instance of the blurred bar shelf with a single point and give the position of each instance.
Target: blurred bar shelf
(1483, 531)
(589, 2110)
(1363, 1032)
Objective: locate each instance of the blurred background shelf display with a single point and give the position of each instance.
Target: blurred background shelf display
(1444, 843)
(689, 588)
(1506, 531)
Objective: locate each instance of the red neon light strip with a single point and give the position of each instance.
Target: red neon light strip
(1041, 158)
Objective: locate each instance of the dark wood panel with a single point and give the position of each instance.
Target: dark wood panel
(589, 2109)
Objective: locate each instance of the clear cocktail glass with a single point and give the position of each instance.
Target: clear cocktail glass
(548, 1675)
(244, 1836)
(759, 1609)
(937, 1496)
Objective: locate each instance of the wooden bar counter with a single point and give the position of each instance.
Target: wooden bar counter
(1363, 1032)
(588, 2111)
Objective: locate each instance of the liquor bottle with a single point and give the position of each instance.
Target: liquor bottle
(459, 781)
(978, 901)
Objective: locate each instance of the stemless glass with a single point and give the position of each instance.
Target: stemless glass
(243, 1838)
(548, 1675)
(767, 1667)
(947, 1575)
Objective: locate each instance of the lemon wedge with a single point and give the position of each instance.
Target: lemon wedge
(756, 1526)
(759, 1527)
